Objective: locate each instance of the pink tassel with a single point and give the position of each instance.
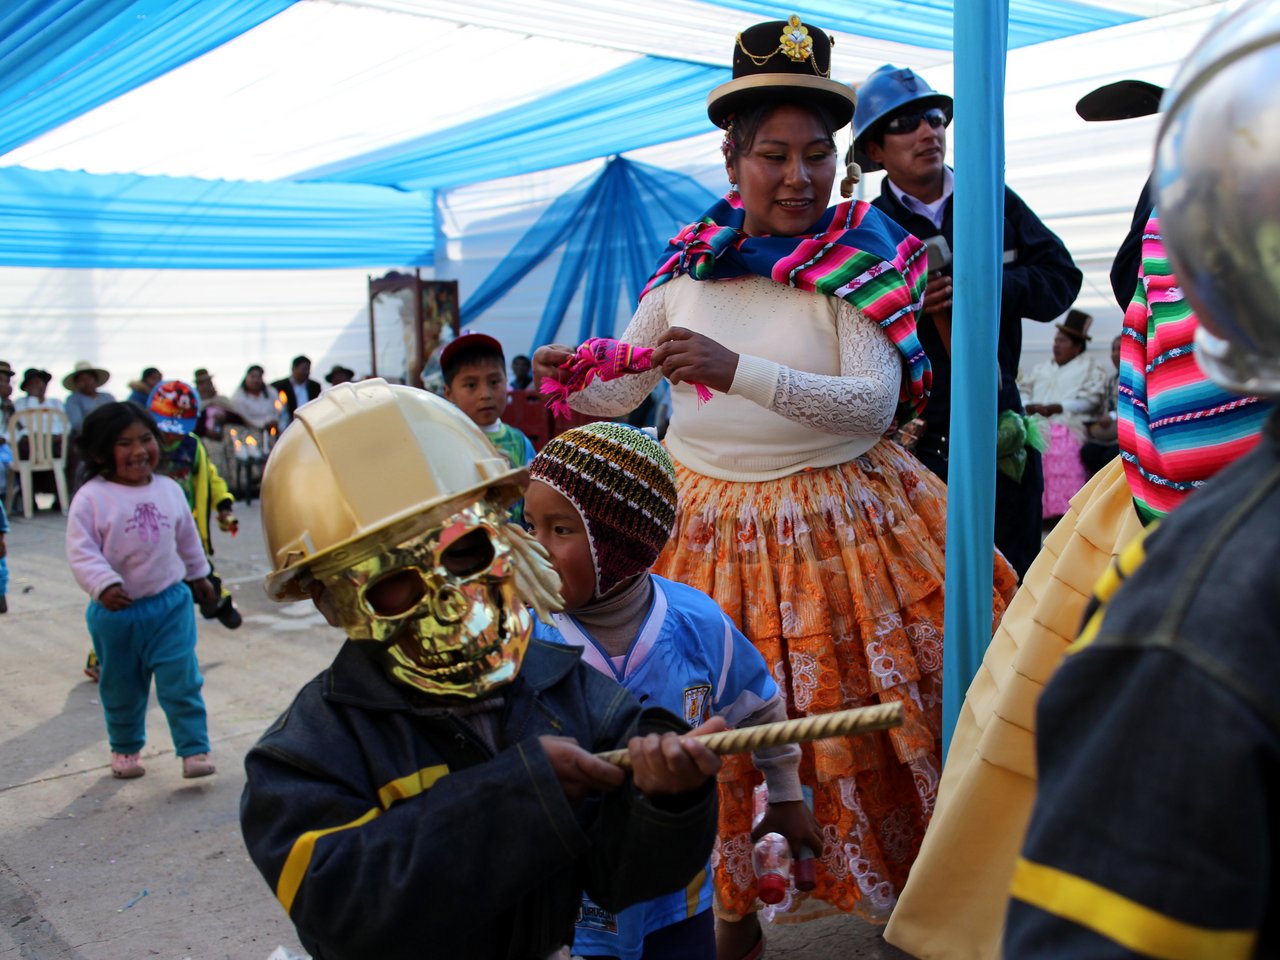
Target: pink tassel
(703, 392)
(559, 397)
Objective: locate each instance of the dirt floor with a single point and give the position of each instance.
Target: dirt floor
(93, 868)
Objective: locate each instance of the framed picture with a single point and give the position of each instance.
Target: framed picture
(439, 314)
(409, 319)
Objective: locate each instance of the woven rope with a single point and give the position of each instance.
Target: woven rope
(749, 739)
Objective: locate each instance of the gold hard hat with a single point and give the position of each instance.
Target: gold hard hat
(366, 466)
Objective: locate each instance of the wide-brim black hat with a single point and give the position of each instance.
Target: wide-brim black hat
(1122, 100)
(781, 57)
(1076, 325)
(33, 373)
(338, 371)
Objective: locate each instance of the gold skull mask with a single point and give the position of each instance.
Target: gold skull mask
(448, 604)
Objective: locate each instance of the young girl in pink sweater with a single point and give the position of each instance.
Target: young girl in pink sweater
(131, 542)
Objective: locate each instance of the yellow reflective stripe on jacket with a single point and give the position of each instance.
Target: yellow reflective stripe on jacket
(299, 859)
(1122, 920)
(411, 786)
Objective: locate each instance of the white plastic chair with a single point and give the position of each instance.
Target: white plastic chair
(45, 430)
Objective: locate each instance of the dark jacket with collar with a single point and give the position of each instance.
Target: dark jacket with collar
(1041, 282)
(286, 386)
(389, 830)
(1158, 743)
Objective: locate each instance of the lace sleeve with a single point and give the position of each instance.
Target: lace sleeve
(617, 397)
(860, 402)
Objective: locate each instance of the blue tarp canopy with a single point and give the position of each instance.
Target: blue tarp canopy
(132, 86)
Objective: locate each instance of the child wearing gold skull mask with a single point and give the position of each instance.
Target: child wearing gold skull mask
(434, 793)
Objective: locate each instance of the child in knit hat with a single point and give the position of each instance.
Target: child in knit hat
(602, 501)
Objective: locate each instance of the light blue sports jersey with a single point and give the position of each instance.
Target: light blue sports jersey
(689, 658)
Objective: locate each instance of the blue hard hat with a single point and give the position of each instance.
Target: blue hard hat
(885, 92)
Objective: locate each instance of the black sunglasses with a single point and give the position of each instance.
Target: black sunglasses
(908, 122)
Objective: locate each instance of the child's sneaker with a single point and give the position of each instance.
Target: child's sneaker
(93, 669)
(126, 766)
(197, 765)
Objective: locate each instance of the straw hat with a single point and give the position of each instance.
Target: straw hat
(781, 56)
(84, 366)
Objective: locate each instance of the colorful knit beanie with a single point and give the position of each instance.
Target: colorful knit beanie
(623, 484)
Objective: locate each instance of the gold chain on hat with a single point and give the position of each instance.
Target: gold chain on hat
(795, 43)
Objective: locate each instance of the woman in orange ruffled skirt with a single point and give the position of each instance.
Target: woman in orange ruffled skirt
(819, 537)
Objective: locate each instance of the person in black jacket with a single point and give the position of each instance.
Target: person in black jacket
(434, 792)
(298, 388)
(900, 125)
(1125, 100)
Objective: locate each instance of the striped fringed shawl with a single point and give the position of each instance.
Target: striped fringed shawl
(1177, 428)
(855, 253)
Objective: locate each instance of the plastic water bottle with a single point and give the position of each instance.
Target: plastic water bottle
(805, 873)
(771, 858)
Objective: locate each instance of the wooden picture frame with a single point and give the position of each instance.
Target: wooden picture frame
(435, 305)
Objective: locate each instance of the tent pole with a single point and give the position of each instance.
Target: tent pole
(373, 341)
(981, 43)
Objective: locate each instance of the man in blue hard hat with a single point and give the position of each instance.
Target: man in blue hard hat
(900, 125)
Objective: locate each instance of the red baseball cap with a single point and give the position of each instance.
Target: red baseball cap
(465, 340)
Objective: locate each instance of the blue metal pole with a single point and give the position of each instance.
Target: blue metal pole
(981, 36)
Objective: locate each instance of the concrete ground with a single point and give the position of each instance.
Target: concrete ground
(93, 868)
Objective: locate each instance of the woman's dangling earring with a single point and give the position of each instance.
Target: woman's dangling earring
(733, 187)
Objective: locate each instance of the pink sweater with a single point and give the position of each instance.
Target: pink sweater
(142, 537)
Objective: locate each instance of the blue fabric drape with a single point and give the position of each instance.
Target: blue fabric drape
(64, 219)
(643, 103)
(927, 23)
(62, 58)
(613, 226)
(979, 265)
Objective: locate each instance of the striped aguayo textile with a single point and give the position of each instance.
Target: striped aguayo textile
(855, 253)
(1176, 427)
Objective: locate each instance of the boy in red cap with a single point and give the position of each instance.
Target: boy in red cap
(475, 381)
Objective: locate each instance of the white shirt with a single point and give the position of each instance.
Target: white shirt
(28, 402)
(300, 392)
(933, 212)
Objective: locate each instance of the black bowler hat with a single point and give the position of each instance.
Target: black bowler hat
(1122, 100)
(781, 56)
(32, 373)
(339, 374)
(1076, 325)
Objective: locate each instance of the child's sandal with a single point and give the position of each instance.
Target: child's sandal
(197, 765)
(126, 766)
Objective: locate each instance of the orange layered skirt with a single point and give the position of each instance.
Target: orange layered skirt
(835, 575)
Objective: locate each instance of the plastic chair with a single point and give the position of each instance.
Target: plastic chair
(46, 451)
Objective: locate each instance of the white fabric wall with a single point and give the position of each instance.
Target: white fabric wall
(177, 320)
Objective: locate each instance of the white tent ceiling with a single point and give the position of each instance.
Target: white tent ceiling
(324, 81)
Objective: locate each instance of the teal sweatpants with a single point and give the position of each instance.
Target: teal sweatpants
(156, 636)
